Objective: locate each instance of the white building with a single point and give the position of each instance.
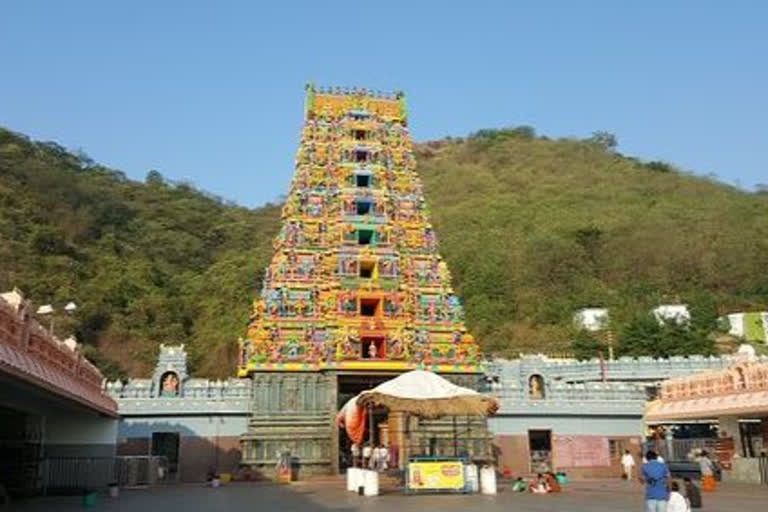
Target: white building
(591, 319)
(751, 326)
(677, 313)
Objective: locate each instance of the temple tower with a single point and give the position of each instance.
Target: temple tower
(356, 291)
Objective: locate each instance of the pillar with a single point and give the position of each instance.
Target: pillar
(670, 444)
(333, 397)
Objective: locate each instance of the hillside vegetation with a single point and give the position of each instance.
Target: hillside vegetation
(532, 229)
(147, 263)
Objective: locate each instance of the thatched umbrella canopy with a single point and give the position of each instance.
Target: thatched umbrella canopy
(428, 395)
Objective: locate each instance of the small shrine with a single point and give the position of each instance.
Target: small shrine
(356, 291)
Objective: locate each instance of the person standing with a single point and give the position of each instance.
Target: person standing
(707, 468)
(692, 493)
(654, 475)
(677, 502)
(627, 464)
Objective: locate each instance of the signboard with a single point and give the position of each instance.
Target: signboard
(447, 475)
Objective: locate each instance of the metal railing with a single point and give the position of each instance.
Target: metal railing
(72, 475)
(682, 449)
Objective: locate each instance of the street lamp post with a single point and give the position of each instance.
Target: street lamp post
(48, 310)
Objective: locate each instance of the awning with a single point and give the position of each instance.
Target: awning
(428, 395)
(741, 404)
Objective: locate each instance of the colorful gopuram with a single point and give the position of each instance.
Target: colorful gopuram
(356, 289)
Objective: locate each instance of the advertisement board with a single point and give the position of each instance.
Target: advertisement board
(447, 475)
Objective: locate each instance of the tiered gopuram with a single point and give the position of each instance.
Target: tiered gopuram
(356, 290)
(356, 281)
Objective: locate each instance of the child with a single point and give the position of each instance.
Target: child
(692, 493)
(519, 485)
(677, 502)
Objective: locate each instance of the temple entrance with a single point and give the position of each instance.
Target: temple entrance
(166, 444)
(540, 449)
(349, 387)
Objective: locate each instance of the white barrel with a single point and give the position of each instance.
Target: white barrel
(352, 476)
(488, 480)
(473, 483)
(370, 483)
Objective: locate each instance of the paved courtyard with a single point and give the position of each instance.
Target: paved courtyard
(329, 495)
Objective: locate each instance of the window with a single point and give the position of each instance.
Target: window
(362, 180)
(363, 206)
(361, 156)
(366, 269)
(364, 236)
(360, 134)
(369, 307)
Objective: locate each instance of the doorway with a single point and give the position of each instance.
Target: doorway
(350, 386)
(166, 444)
(540, 450)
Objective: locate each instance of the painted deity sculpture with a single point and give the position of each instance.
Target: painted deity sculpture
(356, 280)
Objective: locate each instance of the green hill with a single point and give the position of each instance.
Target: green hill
(532, 229)
(147, 263)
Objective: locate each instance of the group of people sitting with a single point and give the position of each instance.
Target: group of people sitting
(543, 483)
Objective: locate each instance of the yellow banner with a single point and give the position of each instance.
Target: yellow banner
(436, 475)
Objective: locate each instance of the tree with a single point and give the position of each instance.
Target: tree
(606, 140)
(644, 335)
(154, 178)
(584, 345)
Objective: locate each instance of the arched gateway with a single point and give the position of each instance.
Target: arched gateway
(356, 291)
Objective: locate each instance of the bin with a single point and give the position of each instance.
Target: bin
(353, 476)
(488, 480)
(370, 483)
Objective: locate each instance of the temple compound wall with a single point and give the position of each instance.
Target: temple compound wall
(195, 423)
(577, 416)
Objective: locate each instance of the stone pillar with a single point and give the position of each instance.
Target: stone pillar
(333, 398)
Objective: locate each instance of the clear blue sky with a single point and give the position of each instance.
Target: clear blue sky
(212, 92)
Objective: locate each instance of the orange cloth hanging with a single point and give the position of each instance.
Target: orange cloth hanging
(352, 418)
(708, 483)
